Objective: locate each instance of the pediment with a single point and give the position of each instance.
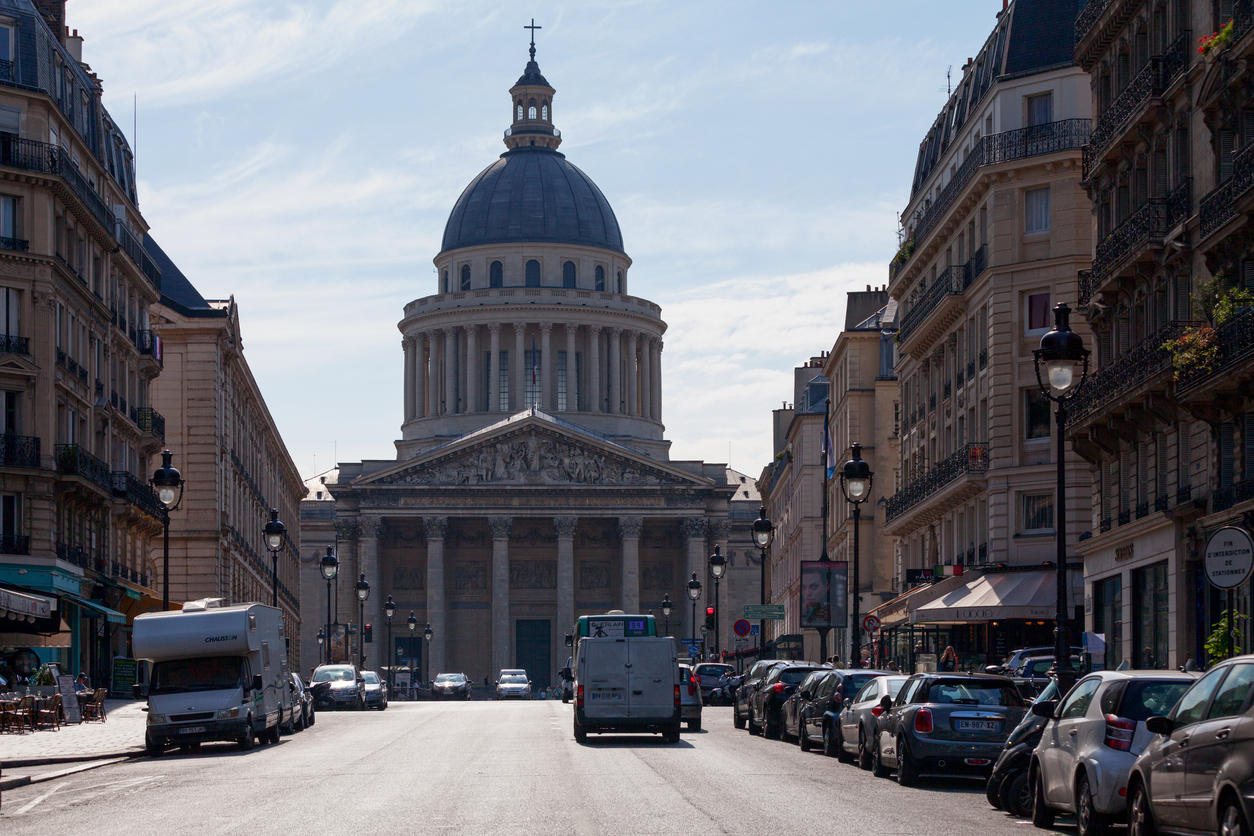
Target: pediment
(532, 449)
(17, 364)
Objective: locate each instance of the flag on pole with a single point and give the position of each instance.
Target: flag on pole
(829, 448)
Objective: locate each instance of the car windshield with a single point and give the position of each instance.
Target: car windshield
(854, 681)
(371, 677)
(513, 680)
(1149, 698)
(211, 673)
(973, 692)
(713, 670)
(792, 676)
(450, 677)
(333, 675)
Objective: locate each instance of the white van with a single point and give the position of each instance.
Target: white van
(219, 673)
(627, 684)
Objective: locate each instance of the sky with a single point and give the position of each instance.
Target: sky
(303, 157)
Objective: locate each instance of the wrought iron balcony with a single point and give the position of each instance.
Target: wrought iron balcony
(14, 544)
(20, 245)
(1085, 286)
(1155, 77)
(960, 377)
(1111, 384)
(1184, 493)
(1105, 525)
(1160, 502)
(137, 493)
(99, 389)
(1219, 205)
(1235, 341)
(983, 358)
(149, 345)
(1224, 498)
(1088, 16)
(151, 422)
(14, 345)
(972, 458)
(931, 402)
(953, 281)
(73, 460)
(970, 370)
(1142, 228)
(19, 450)
(949, 389)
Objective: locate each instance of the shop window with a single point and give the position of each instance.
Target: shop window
(1149, 617)
(1108, 618)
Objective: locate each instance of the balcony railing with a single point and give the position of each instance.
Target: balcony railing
(1144, 226)
(953, 281)
(1085, 286)
(149, 345)
(20, 245)
(1224, 498)
(73, 460)
(14, 544)
(1235, 341)
(14, 345)
(137, 493)
(1219, 206)
(1050, 138)
(1110, 384)
(973, 458)
(19, 450)
(1088, 16)
(1155, 77)
(152, 422)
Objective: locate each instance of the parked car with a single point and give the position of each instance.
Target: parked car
(302, 704)
(1082, 762)
(376, 690)
(708, 675)
(1016, 659)
(689, 698)
(1195, 774)
(752, 678)
(801, 699)
(1037, 668)
(339, 686)
(945, 721)
(1008, 787)
(766, 703)
(450, 686)
(850, 736)
(513, 686)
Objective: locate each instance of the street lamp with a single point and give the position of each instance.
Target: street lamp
(855, 484)
(763, 531)
(426, 656)
(363, 592)
(276, 536)
(321, 638)
(1063, 353)
(412, 622)
(166, 480)
(694, 592)
(330, 567)
(718, 565)
(389, 610)
(667, 606)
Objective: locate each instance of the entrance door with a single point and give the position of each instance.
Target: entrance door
(533, 653)
(408, 653)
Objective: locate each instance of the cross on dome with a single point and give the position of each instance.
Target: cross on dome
(533, 29)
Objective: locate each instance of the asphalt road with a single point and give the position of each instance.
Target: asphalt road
(490, 767)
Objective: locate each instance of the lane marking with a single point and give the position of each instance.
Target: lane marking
(30, 806)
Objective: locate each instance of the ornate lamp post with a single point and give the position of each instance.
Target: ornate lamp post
(330, 567)
(169, 486)
(1063, 354)
(718, 565)
(389, 610)
(412, 622)
(667, 606)
(426, 656)
(363, 592)
(855, 484)
(763, 532)
(694, 592)
(321, 638)
(276, 537)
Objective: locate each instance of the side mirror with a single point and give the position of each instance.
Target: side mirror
(137, 692)
(1160, 725)
(848, 702)
(570, 640)
(496, 682)
(1045, 708)
(257, 683)
(803, 694)
(886, 702)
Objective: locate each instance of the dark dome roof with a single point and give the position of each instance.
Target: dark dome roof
(532, 195)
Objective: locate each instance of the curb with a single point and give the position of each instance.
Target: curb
(18, 764)
(23, 780)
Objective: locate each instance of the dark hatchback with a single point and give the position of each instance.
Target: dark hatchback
(766, 704)
(748, 684)
(816, 705)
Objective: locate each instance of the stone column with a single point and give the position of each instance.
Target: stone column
(633, 374)
(450, 372)
(646, 377)
(436, 530)
(494, 367)
(432, 367)
(657, 378)
(629, 531)
(520, 380)
(472, 368)
(368, 545)
(615, 370)
(565, 573)
(500, 593)
(695, 530)
(594, 368)
(546, 367)
(420, 375)
(407, 346)
(572, 378)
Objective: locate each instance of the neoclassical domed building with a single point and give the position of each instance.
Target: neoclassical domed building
(532, 482)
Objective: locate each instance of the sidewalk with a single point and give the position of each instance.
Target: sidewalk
(121, 735)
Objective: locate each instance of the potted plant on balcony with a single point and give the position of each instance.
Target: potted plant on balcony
(1197, 348)
(1215, 42)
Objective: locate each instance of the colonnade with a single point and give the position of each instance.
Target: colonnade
(615, 370)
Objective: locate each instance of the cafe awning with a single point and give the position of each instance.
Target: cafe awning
(900, 609)
(23, 605)
(995, 596)
(113, 616)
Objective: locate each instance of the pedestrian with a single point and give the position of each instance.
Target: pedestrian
(834, 661)
(892, 665)
(948, 660)
(80, 684)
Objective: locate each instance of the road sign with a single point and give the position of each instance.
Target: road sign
(871, 624)
(768, 612)
(741, 627)
(755, 629)
(1229, 557)
(694, 650)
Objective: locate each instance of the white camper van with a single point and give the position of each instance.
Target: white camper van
(219, 673)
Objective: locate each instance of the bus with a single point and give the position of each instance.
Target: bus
(613, 623)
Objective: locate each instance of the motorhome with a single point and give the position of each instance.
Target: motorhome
(219, 672)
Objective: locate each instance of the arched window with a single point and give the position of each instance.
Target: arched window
(544, 112)
(465, 277)
(600, 278)
(519, 112)
(568, 274)
(531, 109)
(496, 275)
(533, 273)
(445, 288)
(620, 282)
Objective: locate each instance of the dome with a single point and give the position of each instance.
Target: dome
(532, 195)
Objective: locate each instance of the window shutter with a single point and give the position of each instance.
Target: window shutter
(1223, 9)
(1142, 473)
(1247, 274)
(1160, 449)
(1184, 306)
(1160, 308)
(1160, 173)
(1247, 437)
(1226, 463)
(1226, 141)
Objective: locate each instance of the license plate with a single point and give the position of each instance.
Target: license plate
(193, 730)
(607, 695)
(979, 725)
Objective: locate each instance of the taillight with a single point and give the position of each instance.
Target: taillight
(779, 688)
(579, 695)
(692, 690)
(923, 721)
(1119, 732)
(877, 710)
(677, 696)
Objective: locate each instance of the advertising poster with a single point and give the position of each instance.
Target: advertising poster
(824, 593)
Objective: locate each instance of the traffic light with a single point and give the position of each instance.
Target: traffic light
(709, 618)
(369, 632)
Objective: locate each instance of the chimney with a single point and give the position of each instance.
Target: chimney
(53, 13)
(74, 43)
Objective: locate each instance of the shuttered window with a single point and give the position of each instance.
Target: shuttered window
(1247, 439)
(1160, 450)
(1184, 304)
(1227, 139)
(1227, 434)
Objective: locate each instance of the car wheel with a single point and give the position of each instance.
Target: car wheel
(738, 720)
(992, 790)
(1015, 795)
(152, 747)
(753, 727)
(272, 734)
(1140, 815)
(313, 716)
(1042, 813)
(864, 754)
(877, 762)
(694, 725)
(841, 754)
(1088, 821)
(770, 729)
(671, 735)
(1231, 820)
(246, 738)
(907, 770)
(581, 734)
(803, 737)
